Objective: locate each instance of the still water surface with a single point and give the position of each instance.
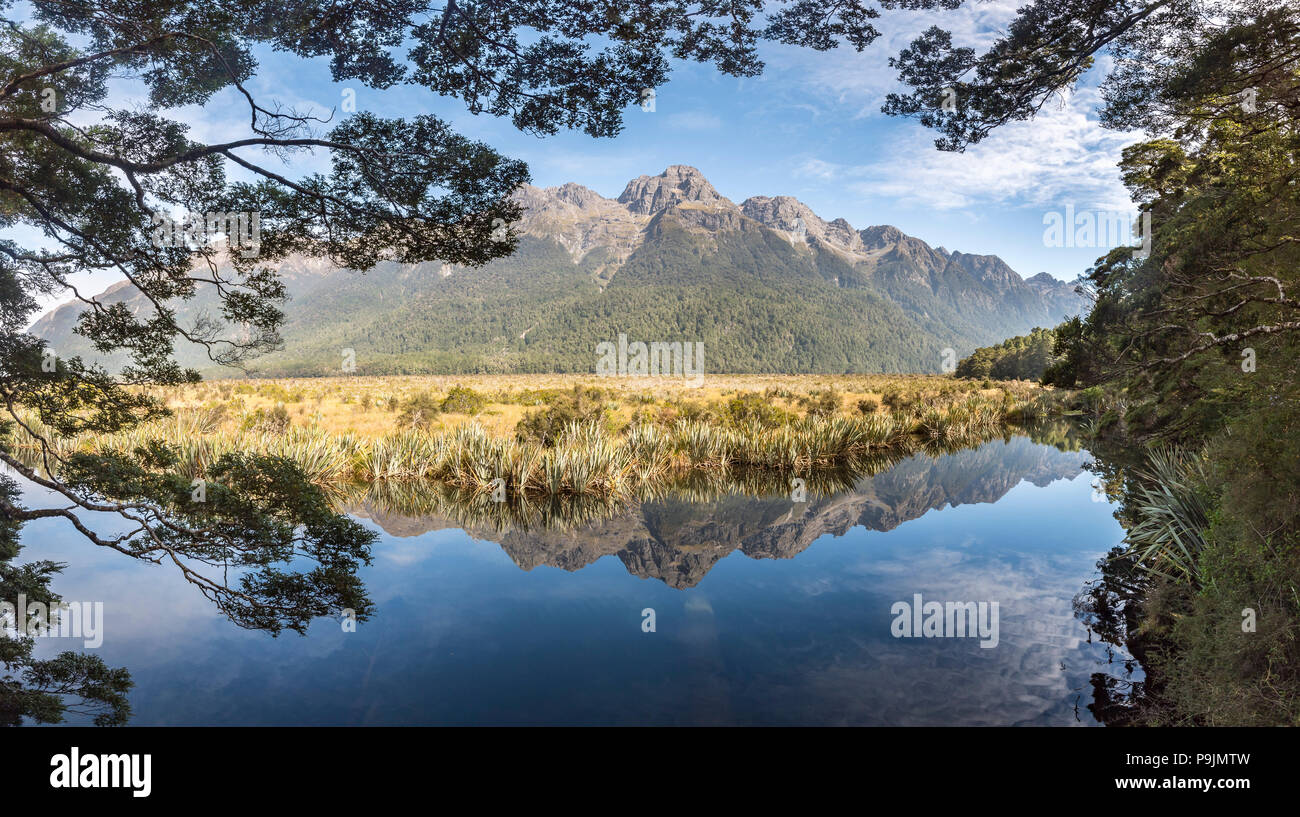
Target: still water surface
(767, 611)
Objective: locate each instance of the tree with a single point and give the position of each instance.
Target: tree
(1218, 293)
(1049, 45)
(1216, 86)
(1068, 355)
(120, 189)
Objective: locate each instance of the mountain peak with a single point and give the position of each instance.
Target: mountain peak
(793, 216)
(678, 184)
(578, 194)
(881, 235)
(682, 170)
(987, 269)
(781, 213)
(887, 306)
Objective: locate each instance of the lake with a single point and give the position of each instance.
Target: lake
(765, 610)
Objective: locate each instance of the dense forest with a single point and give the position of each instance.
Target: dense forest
(1024, 357)
(755, 303)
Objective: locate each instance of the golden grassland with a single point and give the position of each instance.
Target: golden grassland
(601, 436)
(369, 407)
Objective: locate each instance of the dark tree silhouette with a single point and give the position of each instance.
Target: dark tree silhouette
(100, 180)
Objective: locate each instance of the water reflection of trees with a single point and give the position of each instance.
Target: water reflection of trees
(262, 544)
(1111, 604)
(45, 691)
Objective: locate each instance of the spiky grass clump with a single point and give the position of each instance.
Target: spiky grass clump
(805, 443)
(972, 418)
(1172, 515)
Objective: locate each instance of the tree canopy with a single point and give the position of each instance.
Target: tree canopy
(1025, 357)
(1215, 86)
(113, 187)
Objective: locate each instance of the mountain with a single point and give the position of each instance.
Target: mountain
(766, 286)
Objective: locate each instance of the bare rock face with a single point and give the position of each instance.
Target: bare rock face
(801, 225)
(907, 260)
(882, 236)
(839, 232)
(579, 196)
(679, 184)
(784, 213)
(709, 220)
(987, 269)
(1061, 296)
(580, 219)
(886, 240)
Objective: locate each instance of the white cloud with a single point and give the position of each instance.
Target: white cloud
(1062, 155)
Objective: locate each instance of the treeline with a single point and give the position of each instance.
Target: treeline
(755, 304)
(1025, 357)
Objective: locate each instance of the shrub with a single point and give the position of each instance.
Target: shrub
(275, 421)
(275, 391)
(418, 411)
(895, 400)
(753, 407)
(822, 403)
(463, 400)
(582, 405)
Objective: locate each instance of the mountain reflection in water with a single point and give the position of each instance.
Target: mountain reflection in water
(767, 610)
(679, 537)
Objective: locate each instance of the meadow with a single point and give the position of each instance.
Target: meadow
(569, 434)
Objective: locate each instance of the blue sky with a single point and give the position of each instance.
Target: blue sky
(810, 127)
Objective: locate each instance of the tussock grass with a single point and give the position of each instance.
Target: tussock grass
(1172, 515)
(593, 457)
